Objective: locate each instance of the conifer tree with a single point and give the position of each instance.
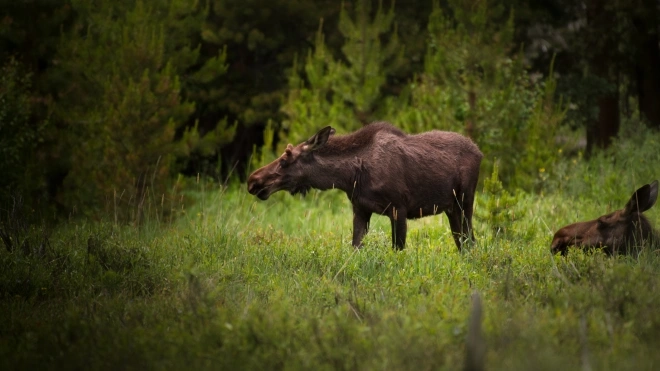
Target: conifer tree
(475, 83)
(345, 90)
(123, 103)
(18, 137)
(366, 63)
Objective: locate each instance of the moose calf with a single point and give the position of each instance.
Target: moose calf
(622, 231)
(383, 171)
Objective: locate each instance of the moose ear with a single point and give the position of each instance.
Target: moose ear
(643, 199)
(319, 139)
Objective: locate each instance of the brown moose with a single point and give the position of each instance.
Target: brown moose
(622, 231)
(384, 171)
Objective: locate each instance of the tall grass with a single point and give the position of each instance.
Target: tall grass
(237, 283)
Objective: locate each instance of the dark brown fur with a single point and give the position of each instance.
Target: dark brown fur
(623, 231)
(383, 171)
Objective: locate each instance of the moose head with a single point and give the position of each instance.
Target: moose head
(292, 171)
(618, 232)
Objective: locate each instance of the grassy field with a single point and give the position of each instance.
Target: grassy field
(237, 283)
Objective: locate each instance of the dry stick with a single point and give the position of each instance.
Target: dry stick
(475, 347)
(546, 225)
(586, 362)
(355, 310)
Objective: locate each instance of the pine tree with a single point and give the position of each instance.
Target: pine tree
(475, 83)
(18, 136)
(345, 91)
(124, 103)
(367, 63)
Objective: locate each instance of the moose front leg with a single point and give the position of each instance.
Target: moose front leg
(360, 225)
(399, 228)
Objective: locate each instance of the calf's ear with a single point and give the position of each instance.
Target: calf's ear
(319, 139)
(643, 199)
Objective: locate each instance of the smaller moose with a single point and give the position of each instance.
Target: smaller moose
(622, 231)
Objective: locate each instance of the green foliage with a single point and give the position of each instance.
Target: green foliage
(19, 137)
(582, 93)
(311, 99)
(124, 102)
(467, 62)
(28, 40)
(266, 153)
(367, 63)
(344, 91)
(262, 38)
(499, 204)
(540, 150)
(612, 175)
(204, 143)
(471, 84)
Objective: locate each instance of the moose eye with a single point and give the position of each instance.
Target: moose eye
(283, 163)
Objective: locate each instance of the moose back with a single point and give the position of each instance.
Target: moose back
(383, 171)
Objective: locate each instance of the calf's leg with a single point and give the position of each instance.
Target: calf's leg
(460, 219)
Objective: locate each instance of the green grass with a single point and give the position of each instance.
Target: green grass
(238, 283)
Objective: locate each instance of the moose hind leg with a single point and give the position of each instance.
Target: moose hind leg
(466, 217)
(460, 218)
(455, 225)
(461, 227)
(399, 228)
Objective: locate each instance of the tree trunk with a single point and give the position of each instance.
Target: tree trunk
(470, 125)
(648, 66)
(601, 132)
(604, 65)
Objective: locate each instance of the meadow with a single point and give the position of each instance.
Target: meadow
(238, 283)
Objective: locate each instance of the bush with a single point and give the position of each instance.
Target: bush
(610, 176)
(124, 105)
(473, 85)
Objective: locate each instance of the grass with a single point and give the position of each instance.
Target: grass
(238, 283)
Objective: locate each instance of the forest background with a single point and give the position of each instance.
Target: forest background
(129, 240)
(109, 102)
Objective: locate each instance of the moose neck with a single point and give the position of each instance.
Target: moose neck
(335, 170)
(340, 160)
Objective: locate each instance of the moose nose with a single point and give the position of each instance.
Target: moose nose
(250, 187)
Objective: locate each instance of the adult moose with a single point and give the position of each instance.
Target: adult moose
(622, 231)
(383, 171)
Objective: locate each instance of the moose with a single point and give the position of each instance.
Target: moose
(383, 171)
(622, 231)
